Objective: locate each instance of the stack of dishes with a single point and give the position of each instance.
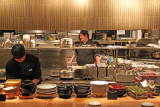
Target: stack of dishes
(46, 90)
(27, 88)
(82, 90)
(157, 88)
(10, 92)
(64, 90)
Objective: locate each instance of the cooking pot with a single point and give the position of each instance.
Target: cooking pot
(155, 55)
(55, 72)
(66, 74)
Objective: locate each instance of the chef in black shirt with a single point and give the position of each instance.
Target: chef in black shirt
(23, 65)
(85, 56)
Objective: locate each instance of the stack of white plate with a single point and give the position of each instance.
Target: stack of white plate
(46, 90)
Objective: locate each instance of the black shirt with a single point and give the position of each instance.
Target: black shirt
(86, 56)
(28, 69)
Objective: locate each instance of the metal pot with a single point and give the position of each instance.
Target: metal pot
(155, 55)
(66, 74)
(55, 72)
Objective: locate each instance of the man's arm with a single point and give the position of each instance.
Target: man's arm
(36, 81)
(37, 75)
(73, 57)
(96, 53)
(10, 71)
(97, 60)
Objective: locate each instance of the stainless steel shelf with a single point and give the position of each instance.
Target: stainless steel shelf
(112, 47)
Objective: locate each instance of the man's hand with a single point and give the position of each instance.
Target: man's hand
(69, 63)
(35, 81)
(98, 65)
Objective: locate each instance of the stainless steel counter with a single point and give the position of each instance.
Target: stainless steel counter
(49, 57)
(54, 56)
(93, 47)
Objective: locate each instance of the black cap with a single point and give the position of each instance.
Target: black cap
(18, 51)
(84, 32)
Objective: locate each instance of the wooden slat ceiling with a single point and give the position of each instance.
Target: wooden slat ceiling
(79, 14)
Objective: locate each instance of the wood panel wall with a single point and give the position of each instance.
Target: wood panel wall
(79, 14)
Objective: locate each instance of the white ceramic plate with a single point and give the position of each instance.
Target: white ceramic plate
(46, 86)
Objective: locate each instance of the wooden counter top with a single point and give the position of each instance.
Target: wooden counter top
(78, 102)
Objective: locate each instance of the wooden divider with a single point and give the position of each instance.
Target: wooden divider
(79, 14)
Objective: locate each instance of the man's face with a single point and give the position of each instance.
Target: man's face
(83, 37)
(21, 59)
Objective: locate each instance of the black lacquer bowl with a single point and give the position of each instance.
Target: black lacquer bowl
(82, 90)
(64, 90)
(27, 88)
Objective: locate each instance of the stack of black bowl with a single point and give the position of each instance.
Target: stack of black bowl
(27, 88)
(64, 90)
(82, 90)
(158, 89)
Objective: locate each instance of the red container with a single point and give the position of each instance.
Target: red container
(121, 89)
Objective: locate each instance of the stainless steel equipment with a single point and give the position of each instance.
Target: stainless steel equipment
(155, 55)
(66, 74)
(143, 53)
(143, 42)
(66, 43)
(90, 72)
(123, 37)
(55, 72)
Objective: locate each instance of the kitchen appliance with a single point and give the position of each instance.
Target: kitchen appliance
(143, 53)
(123, 37)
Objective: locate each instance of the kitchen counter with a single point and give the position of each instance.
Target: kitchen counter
(78, 102)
